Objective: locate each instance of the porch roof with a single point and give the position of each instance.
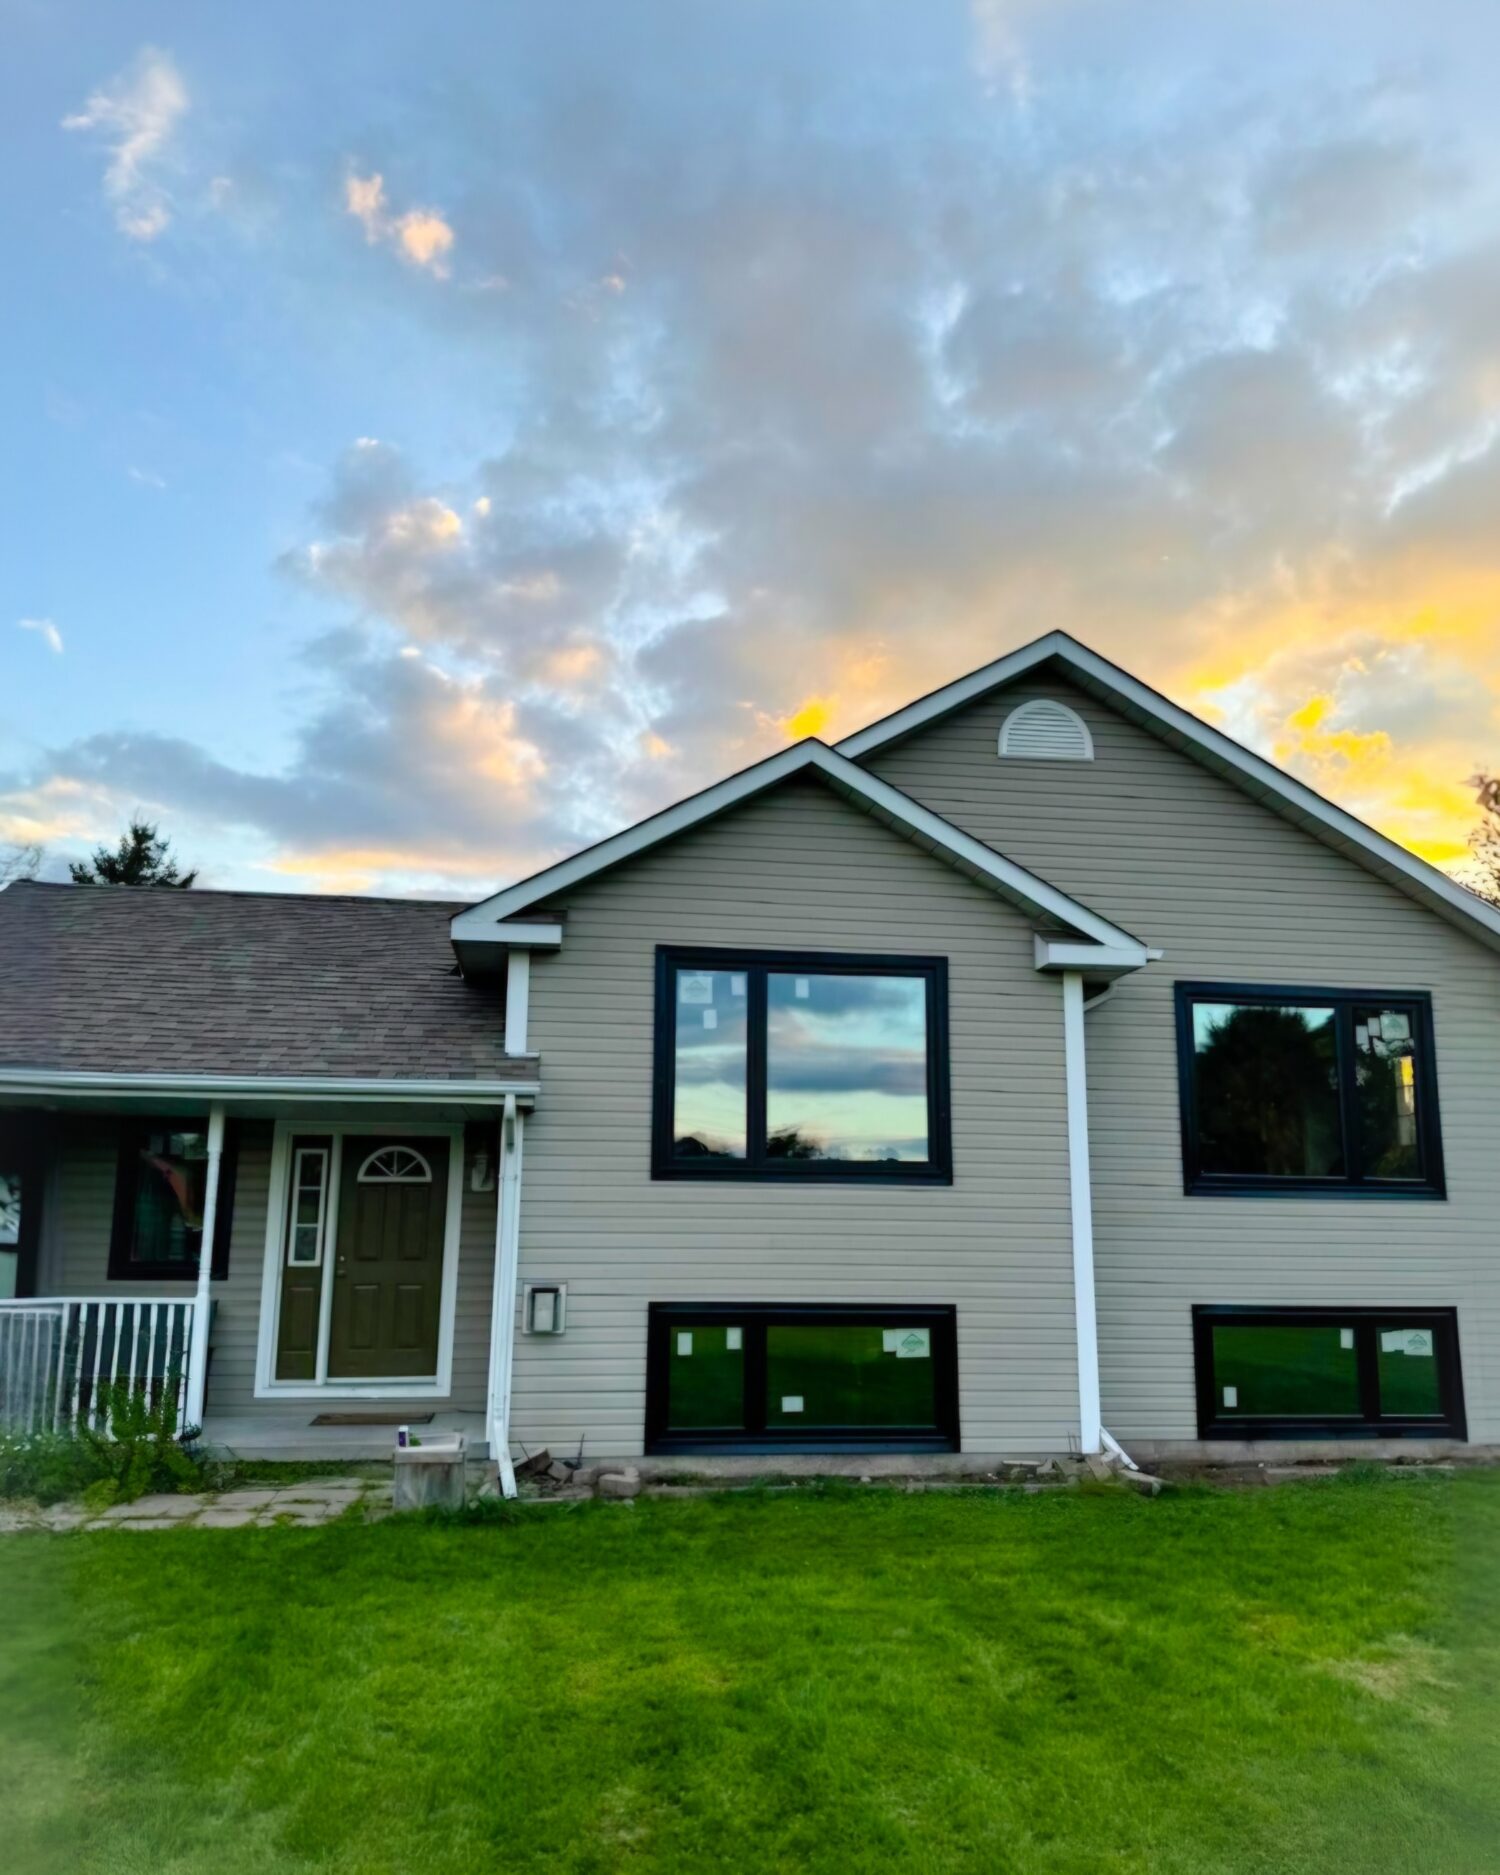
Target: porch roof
(222, 986)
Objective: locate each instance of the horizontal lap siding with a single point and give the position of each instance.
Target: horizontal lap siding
(798, 869)
(85, 1196)
(1231, 892)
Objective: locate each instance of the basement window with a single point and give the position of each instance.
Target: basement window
(762, 1377)
(1289, 1373)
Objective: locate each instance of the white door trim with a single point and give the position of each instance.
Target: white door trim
(267, 1386)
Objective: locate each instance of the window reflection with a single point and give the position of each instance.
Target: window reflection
(846, 1067)
(1267, 1090)
(711, 1062)
(168, 1211)
(1386, 1076)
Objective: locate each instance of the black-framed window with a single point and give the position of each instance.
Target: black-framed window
(800, 1065)
(1308, 1090)
(1289, 1373)
(161, 1180)
(758, 1377)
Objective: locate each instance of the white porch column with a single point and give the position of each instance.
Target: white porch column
(507, 1276)
(197, 1374)
(1082, 1201)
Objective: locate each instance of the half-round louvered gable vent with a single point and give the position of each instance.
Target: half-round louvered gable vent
(1048, 731)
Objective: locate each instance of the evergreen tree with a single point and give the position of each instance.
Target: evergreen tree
(141, 858)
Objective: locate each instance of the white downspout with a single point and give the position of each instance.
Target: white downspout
(1081, 1195)
(503, 1312)
(197, 1374)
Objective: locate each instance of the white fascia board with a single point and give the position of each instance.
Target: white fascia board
(480, 920)
(932, 830)
(858, 784)
(1260, 778)
(516, 936)
(1093, 960)
(54, 1083)
(955, 695)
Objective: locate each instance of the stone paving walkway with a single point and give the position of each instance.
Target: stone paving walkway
(318, 1500)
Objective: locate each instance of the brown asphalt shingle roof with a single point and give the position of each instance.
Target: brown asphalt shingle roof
(119, 979)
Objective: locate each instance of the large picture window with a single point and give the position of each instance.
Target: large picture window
(754, 1377)
(160, 1185)
(1308, 1090)
(1266, 1373)
(801, 1066)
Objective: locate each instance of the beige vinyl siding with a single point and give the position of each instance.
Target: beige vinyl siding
(795, 869)
(83, 1218)
(1231, 892)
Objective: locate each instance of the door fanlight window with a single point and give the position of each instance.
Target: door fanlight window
(395, 1165)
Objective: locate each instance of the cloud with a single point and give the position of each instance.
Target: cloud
(420, 236)
(136, 114)
(1179, 334)
(44, 628)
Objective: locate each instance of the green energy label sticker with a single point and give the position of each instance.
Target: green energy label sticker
(907, 1344)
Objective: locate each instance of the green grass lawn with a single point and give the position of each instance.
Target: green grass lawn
(1301, 1679)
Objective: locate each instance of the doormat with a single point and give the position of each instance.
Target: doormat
(373, 1419)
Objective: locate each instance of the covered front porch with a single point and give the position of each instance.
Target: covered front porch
(297, 1270)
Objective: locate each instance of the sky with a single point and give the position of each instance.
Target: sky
(434, 438)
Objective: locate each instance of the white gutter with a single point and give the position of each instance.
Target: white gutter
(503, 1308)
(1112, 1444)
(1090, 1429)
(71, 1083)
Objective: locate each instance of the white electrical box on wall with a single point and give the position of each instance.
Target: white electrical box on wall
(544, 1308)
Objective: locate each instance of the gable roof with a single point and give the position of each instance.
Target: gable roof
(1263, 780)
(121, 980)
(482, 926)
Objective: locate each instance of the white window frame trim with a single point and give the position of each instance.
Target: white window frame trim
(424, 1178)
(439, 1386)
(325, 1153)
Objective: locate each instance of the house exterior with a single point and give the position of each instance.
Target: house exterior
(1034, 1069)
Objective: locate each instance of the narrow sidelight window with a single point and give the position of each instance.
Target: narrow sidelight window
(774, 1065)
(1308, 1090)
(1267, 1373)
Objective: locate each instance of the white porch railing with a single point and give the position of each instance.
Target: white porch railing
(59, 1357)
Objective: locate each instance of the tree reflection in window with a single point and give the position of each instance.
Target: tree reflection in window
(1267, 1090)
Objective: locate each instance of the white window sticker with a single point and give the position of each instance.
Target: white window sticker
(684, 1341)
(1395, 1027)
(802, 988)
(1416, 1341)
(695, 986)
(1231, 1396)
(888, 1337)
(913, 1344)
(710, 1018)
(737, 983)
(791, 1402)
(1346, 1337)
(734, 1339)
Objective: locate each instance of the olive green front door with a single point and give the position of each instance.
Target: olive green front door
(388, 1258)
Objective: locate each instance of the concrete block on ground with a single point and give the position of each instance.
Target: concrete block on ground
(620, 1484)
(430, 1476)
(219, 1518)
